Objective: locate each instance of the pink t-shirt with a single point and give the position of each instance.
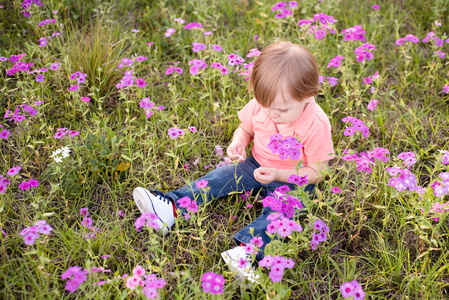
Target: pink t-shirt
(312, 129)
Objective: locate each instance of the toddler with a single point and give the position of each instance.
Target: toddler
(284, 80)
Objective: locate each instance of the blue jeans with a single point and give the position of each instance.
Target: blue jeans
(231, 179)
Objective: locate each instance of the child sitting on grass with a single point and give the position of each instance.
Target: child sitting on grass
(284, 80)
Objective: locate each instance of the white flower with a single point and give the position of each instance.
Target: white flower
(58, 159)
(55, 152)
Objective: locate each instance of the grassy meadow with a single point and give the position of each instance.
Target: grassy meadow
(392, 240)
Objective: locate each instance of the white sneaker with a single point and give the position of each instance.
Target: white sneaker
(157, 204)
(232, 257)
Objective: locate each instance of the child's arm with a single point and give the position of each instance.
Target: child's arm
(267, 175)
(241, 139)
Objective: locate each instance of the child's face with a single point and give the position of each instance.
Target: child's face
(285, 110)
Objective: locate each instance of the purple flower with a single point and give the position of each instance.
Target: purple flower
(446, 89)
(332, 80)
(40, 78)
(320, 34)
(335, 62)
(216, 48)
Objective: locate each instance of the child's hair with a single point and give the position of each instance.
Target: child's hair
(288, 66)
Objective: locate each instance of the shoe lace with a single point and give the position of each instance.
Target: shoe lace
(161, 196)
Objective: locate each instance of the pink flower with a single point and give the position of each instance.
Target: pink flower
(335, 190)
(192, 129)
(169, 32)
(133, 281)
(320, 34)
(139, 271)
(13, 171)
(216, 48)
(33, 182)
(30, 237)
(55, 66)
(85, 99)
(72, 285)
(194, 70)
(193, 25)
(375, 7)
(74, 88)
(141, 82)
(373, 104)
(4, 134)
(201, 184)
(24, 186)
(446, 89)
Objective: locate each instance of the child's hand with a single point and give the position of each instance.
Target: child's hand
(266, 175)
(236, 152)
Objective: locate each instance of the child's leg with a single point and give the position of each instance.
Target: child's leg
(261, 223)
(221, 182)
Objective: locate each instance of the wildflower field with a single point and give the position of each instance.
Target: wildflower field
(100, 97)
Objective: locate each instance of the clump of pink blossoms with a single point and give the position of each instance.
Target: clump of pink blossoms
(441, 188)
(286, 148)
(355, 33)
(30, 234)
(352, 289)
(76, 276)
(212, 283)
(408, 38)
(150, 284)
(147, 106)
(437, 210)
(321, 236)
(408, 159)
(323, 25)
(283, 11)
(31, 183)
(357, 126)
(87, 222)
(61, 132)
(147, 219)
(277, 266)
(365, 52)
(403, 179)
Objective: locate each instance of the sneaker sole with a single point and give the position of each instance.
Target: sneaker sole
(142, 200)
